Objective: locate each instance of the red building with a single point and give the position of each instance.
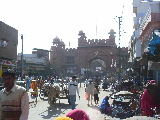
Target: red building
(92, 57)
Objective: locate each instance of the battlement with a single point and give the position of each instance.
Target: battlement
(96, 42)
(54, 48)
(70, 50)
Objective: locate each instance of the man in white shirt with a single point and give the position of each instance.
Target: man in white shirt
(14, 99)
(73, 87)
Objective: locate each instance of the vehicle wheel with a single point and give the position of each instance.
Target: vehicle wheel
(41, 95)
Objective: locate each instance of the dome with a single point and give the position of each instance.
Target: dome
(56, 40)
(62, 43)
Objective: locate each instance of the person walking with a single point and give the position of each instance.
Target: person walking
(86, 82)
(96, 81)
(73, 87)
(14, 99)
(90, 91)
(105, 83)
(96, 92)
(28, 82)
(50, 92)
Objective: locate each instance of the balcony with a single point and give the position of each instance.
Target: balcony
(152, 15)
(146, 19)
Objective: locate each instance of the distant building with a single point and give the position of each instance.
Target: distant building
(8, 47)
(34, 64)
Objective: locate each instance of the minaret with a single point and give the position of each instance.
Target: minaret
(112, 33)
(112, 36)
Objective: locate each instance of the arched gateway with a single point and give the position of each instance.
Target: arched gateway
(92, 56)
(101, 50)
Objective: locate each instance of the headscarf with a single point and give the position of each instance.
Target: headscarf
(152, 81)
(63, 118)
(148, 102)
(78, 114)
(104, 105)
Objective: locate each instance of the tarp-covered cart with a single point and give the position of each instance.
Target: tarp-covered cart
(124, 105)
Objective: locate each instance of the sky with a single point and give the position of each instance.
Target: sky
(40, 21)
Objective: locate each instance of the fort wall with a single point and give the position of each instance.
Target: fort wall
(96, 42)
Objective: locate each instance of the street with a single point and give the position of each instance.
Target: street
(41, 110)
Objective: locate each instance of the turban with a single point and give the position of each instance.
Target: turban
(63, 118)
(78, 114)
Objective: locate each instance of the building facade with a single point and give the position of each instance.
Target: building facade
(146, 21)
(8, 47)
(92, 57)
(35, 64)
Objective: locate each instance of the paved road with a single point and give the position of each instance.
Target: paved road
(42, 111)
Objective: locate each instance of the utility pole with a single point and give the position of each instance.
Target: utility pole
(119, 48)
(119, 20)
(22, 59)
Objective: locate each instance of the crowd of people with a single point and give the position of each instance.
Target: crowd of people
(149, 93)
(20, 108)
(14, 99)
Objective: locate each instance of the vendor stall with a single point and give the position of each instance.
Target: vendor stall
(122, 104)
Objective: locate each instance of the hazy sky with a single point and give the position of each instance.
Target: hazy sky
(40, 21)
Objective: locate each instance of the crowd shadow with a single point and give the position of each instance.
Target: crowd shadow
(55, 110)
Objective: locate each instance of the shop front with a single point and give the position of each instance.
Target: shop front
(7, 64)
